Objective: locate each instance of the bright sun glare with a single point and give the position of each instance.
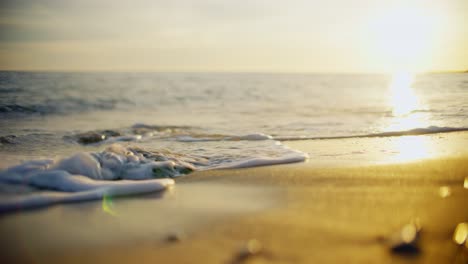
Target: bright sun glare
(410, 148)
(403, 38)
(404, 101)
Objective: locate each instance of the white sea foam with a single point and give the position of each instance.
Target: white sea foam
(255, 136)
(76, 189)
(120, 170)
(86, 176)
(122, 139)
(114, 163)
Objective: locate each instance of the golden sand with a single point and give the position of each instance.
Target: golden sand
(298, 213)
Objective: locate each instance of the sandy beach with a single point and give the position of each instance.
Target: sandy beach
(216, 131)
(328, 210)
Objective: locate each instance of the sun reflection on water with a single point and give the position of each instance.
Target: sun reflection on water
(404, 102)
(403, 98)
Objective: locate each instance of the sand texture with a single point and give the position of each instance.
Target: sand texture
(297, 213)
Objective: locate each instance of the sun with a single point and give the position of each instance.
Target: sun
(403, 37)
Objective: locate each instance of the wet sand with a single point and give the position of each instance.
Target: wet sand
(333, 209)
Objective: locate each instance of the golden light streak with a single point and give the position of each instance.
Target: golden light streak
(411, 148)
(403, 101)
(403, 98)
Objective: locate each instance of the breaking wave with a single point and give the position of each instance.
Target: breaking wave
(410, 132)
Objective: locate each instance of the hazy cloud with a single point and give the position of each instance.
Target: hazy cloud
(203, 34)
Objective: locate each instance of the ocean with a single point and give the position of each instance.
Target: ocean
(68, 137)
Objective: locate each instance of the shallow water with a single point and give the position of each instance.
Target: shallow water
(41, 111)
(211, 120)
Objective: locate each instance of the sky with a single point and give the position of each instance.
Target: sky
(228, 35)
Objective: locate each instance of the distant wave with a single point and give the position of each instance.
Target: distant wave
(261, 136)
(187, 134)
(12, 108)
(411, 132)
(140, 131)
(61, 106)
(202, 138)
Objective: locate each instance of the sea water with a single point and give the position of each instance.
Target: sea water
(68, 137)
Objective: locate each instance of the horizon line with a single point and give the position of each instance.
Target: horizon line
(225, 71)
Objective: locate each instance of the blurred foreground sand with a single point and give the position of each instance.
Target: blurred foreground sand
(325, 211)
